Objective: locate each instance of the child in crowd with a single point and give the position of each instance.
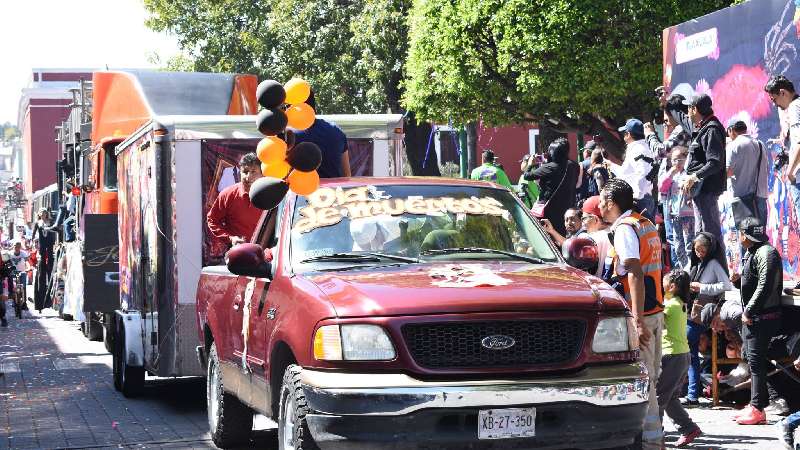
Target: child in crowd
(675, 359)
(679, 209)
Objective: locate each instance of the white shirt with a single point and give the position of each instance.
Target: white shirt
(19, 260)
(634, 170)
(742, 156)
(793, 119)
(626, 243)
(600, 238)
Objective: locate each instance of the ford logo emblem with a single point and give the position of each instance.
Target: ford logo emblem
(498, 342)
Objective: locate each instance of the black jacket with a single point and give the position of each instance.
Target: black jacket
(762, 280)
(707, 155)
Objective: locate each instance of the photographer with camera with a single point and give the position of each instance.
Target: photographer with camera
(637, 167)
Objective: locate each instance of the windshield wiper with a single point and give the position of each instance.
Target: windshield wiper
(343, 257)
(447, 251)
(400, 258)
(367, 257)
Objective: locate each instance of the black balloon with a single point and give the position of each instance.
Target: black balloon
(270, 94)
(267, 192)
(305, 157)
(271, 122)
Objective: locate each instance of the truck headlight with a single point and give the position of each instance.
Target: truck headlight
(353, 343)
(611, 335)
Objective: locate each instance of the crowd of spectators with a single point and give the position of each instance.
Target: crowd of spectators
(667, 191)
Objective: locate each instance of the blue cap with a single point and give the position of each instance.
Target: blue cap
(633, 126)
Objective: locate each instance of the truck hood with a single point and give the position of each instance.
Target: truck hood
(442, 288)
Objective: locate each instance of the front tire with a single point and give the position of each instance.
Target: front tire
(229, 420)
(293, 432)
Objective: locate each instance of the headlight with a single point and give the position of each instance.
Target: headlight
(353, 343)
(611, 336)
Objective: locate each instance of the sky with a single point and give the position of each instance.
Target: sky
(35, 34)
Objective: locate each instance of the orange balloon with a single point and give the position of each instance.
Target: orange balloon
(278, 169)
(297, 91)
(271, 149)
(303, 183)
(300, 116)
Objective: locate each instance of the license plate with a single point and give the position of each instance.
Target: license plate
(506, 423)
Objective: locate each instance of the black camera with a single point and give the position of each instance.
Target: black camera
(781, 160)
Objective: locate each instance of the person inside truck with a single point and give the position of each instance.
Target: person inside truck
(331, 140)
(232, 217)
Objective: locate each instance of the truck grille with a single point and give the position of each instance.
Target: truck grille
(458, 344)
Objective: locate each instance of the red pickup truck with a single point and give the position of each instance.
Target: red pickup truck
(413, 312)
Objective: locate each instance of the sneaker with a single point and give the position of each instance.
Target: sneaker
(686, 401)
(778, 407)
(785, 435)
(752, 416)
(687, 439)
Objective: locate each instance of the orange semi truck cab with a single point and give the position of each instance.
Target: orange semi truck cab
(105, 112)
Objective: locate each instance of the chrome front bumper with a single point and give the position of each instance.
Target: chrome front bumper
(398, 394)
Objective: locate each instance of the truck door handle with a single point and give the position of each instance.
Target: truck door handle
(236, 305)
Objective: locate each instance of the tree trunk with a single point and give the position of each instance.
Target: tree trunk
(472, 146)
(420, 149)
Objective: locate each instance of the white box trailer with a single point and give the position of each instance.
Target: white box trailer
(169, 173)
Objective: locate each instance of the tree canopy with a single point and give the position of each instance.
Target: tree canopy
(351, 52)
(576, 62)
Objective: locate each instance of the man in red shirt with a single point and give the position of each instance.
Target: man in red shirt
(232, 216)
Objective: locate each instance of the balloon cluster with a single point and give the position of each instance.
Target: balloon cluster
(284, 165)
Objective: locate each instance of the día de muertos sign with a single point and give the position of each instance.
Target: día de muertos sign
(328, 206)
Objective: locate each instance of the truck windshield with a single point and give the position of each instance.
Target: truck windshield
(358, 224)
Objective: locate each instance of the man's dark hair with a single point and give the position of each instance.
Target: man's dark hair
(575, 210)
(487, 156)
(619, 192)
(249, 159)
(778, 82)
(739, 127)
(558, 150)
(311, 101)
(675, 104)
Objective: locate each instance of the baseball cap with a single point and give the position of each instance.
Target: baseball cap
(632, 126)
(753, 229)
(592, 206)
(590, 145)
(699, 101)
(733, 122)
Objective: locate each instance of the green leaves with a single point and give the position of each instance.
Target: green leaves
(351, 52)
(516, 60)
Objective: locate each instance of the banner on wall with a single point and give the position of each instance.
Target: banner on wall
(729, 55)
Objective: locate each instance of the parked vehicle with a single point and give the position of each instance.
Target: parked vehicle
(396, 312)
(170, 172)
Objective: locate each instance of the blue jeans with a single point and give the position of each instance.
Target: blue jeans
(793, 420)
(673, 257)
(693, 332)
(680, 240)
(794, 192)
(761, 209)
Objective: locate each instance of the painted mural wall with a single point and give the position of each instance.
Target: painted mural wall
(730, 55)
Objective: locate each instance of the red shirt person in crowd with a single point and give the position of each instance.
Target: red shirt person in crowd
(232, 216)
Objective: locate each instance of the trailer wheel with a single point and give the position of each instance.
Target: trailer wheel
(293, 432)
(93, 327)
(231, 422)
(127, 379)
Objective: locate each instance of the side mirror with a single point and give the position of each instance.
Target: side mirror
(581, 253)
(248, 260)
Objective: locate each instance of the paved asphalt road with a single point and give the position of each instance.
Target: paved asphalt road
(57, 392)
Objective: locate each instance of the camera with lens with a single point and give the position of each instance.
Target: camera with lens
(781, 160)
